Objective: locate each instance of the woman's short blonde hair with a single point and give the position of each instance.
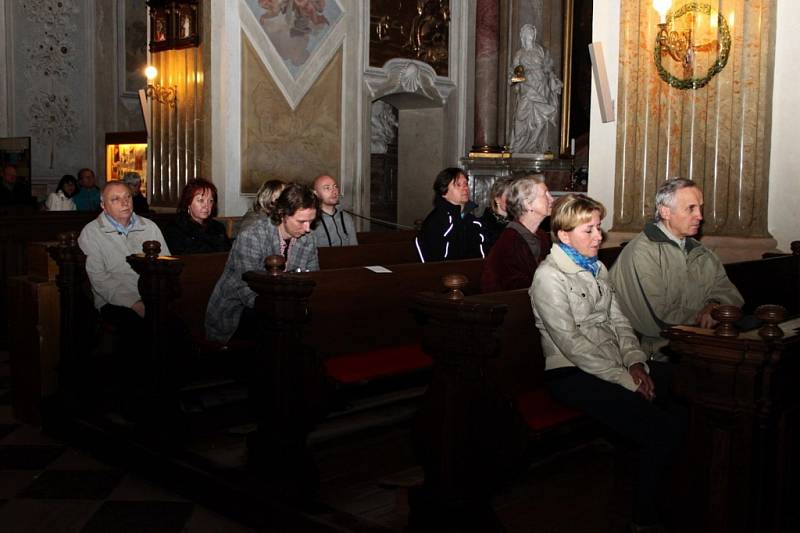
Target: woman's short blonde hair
(572, 210)
(266, 196)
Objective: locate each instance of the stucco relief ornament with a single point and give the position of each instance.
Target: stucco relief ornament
(55, 12)
(52, 119)
(49, 55)
(410, 78)
(50, 51)
(383, 123)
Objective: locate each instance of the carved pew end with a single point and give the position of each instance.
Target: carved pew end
(454, 283)
(771, 316)
(726, 315)
(275, 264)
(151, 249)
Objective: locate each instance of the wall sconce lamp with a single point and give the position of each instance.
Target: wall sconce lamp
(680, 42)
(157, 92)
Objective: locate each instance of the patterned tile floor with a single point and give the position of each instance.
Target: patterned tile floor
(48, 487)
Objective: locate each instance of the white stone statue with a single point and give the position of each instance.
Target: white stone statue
(383, 123)
(537, 92)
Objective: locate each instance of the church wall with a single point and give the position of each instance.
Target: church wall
(784, 176)
(420, 146)
(783, 216)
(273, 113)
(81, 79)
(279, 110)
(603, 137)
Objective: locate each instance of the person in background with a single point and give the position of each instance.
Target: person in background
(12, 190)
(194, 230)
(593, 361)
(450, 232)
(495, 217)
(522, 245)
(88, 197)
(264, 203)
(61, 199)
(134, 181)
(333, 227)
(286, 233)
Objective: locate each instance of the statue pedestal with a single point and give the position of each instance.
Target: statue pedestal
(482, 173)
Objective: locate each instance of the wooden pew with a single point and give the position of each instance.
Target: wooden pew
(20, 228)
(742, 473)
(486, 349)
(346, 326)
(373, 237)
(773, 280)
(486, 403)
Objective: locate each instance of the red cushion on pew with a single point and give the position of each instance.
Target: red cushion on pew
(540, 411)
(381, 362)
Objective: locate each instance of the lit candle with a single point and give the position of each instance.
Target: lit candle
(572, 146)
(662, 6)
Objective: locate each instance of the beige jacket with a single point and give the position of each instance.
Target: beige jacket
(580, 321)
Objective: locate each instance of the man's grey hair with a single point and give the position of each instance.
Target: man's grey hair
(665, 195)
(521, 190)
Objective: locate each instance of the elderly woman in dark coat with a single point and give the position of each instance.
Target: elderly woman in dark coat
(522, 245)
(195, 231)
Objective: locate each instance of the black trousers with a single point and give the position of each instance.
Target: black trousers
(656, 427)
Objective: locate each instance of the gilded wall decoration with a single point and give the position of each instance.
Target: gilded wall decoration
(296, 28)
(413, 30)
(278, 142)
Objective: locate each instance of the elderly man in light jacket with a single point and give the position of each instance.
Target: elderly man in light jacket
(107, 241)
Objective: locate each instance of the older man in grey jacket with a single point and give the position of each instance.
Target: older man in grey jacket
(664, 276)
(107, 241)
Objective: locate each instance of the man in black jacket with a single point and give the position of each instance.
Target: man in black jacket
(12, 190)
(450, 231)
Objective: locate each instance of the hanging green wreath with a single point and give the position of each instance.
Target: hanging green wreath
(724, 49)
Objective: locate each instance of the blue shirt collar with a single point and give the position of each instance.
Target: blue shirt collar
(119, 227)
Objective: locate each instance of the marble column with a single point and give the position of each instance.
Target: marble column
(487, 40)
(717, 135)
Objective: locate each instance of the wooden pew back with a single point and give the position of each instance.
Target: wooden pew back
(356, 309)
(201, 272)
(775, 280)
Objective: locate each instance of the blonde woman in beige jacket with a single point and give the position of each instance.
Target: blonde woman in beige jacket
(593, 361)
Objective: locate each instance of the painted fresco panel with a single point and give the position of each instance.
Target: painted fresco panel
(296, 28)
(284, 144)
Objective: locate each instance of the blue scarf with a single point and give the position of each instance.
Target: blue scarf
(586, 263)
